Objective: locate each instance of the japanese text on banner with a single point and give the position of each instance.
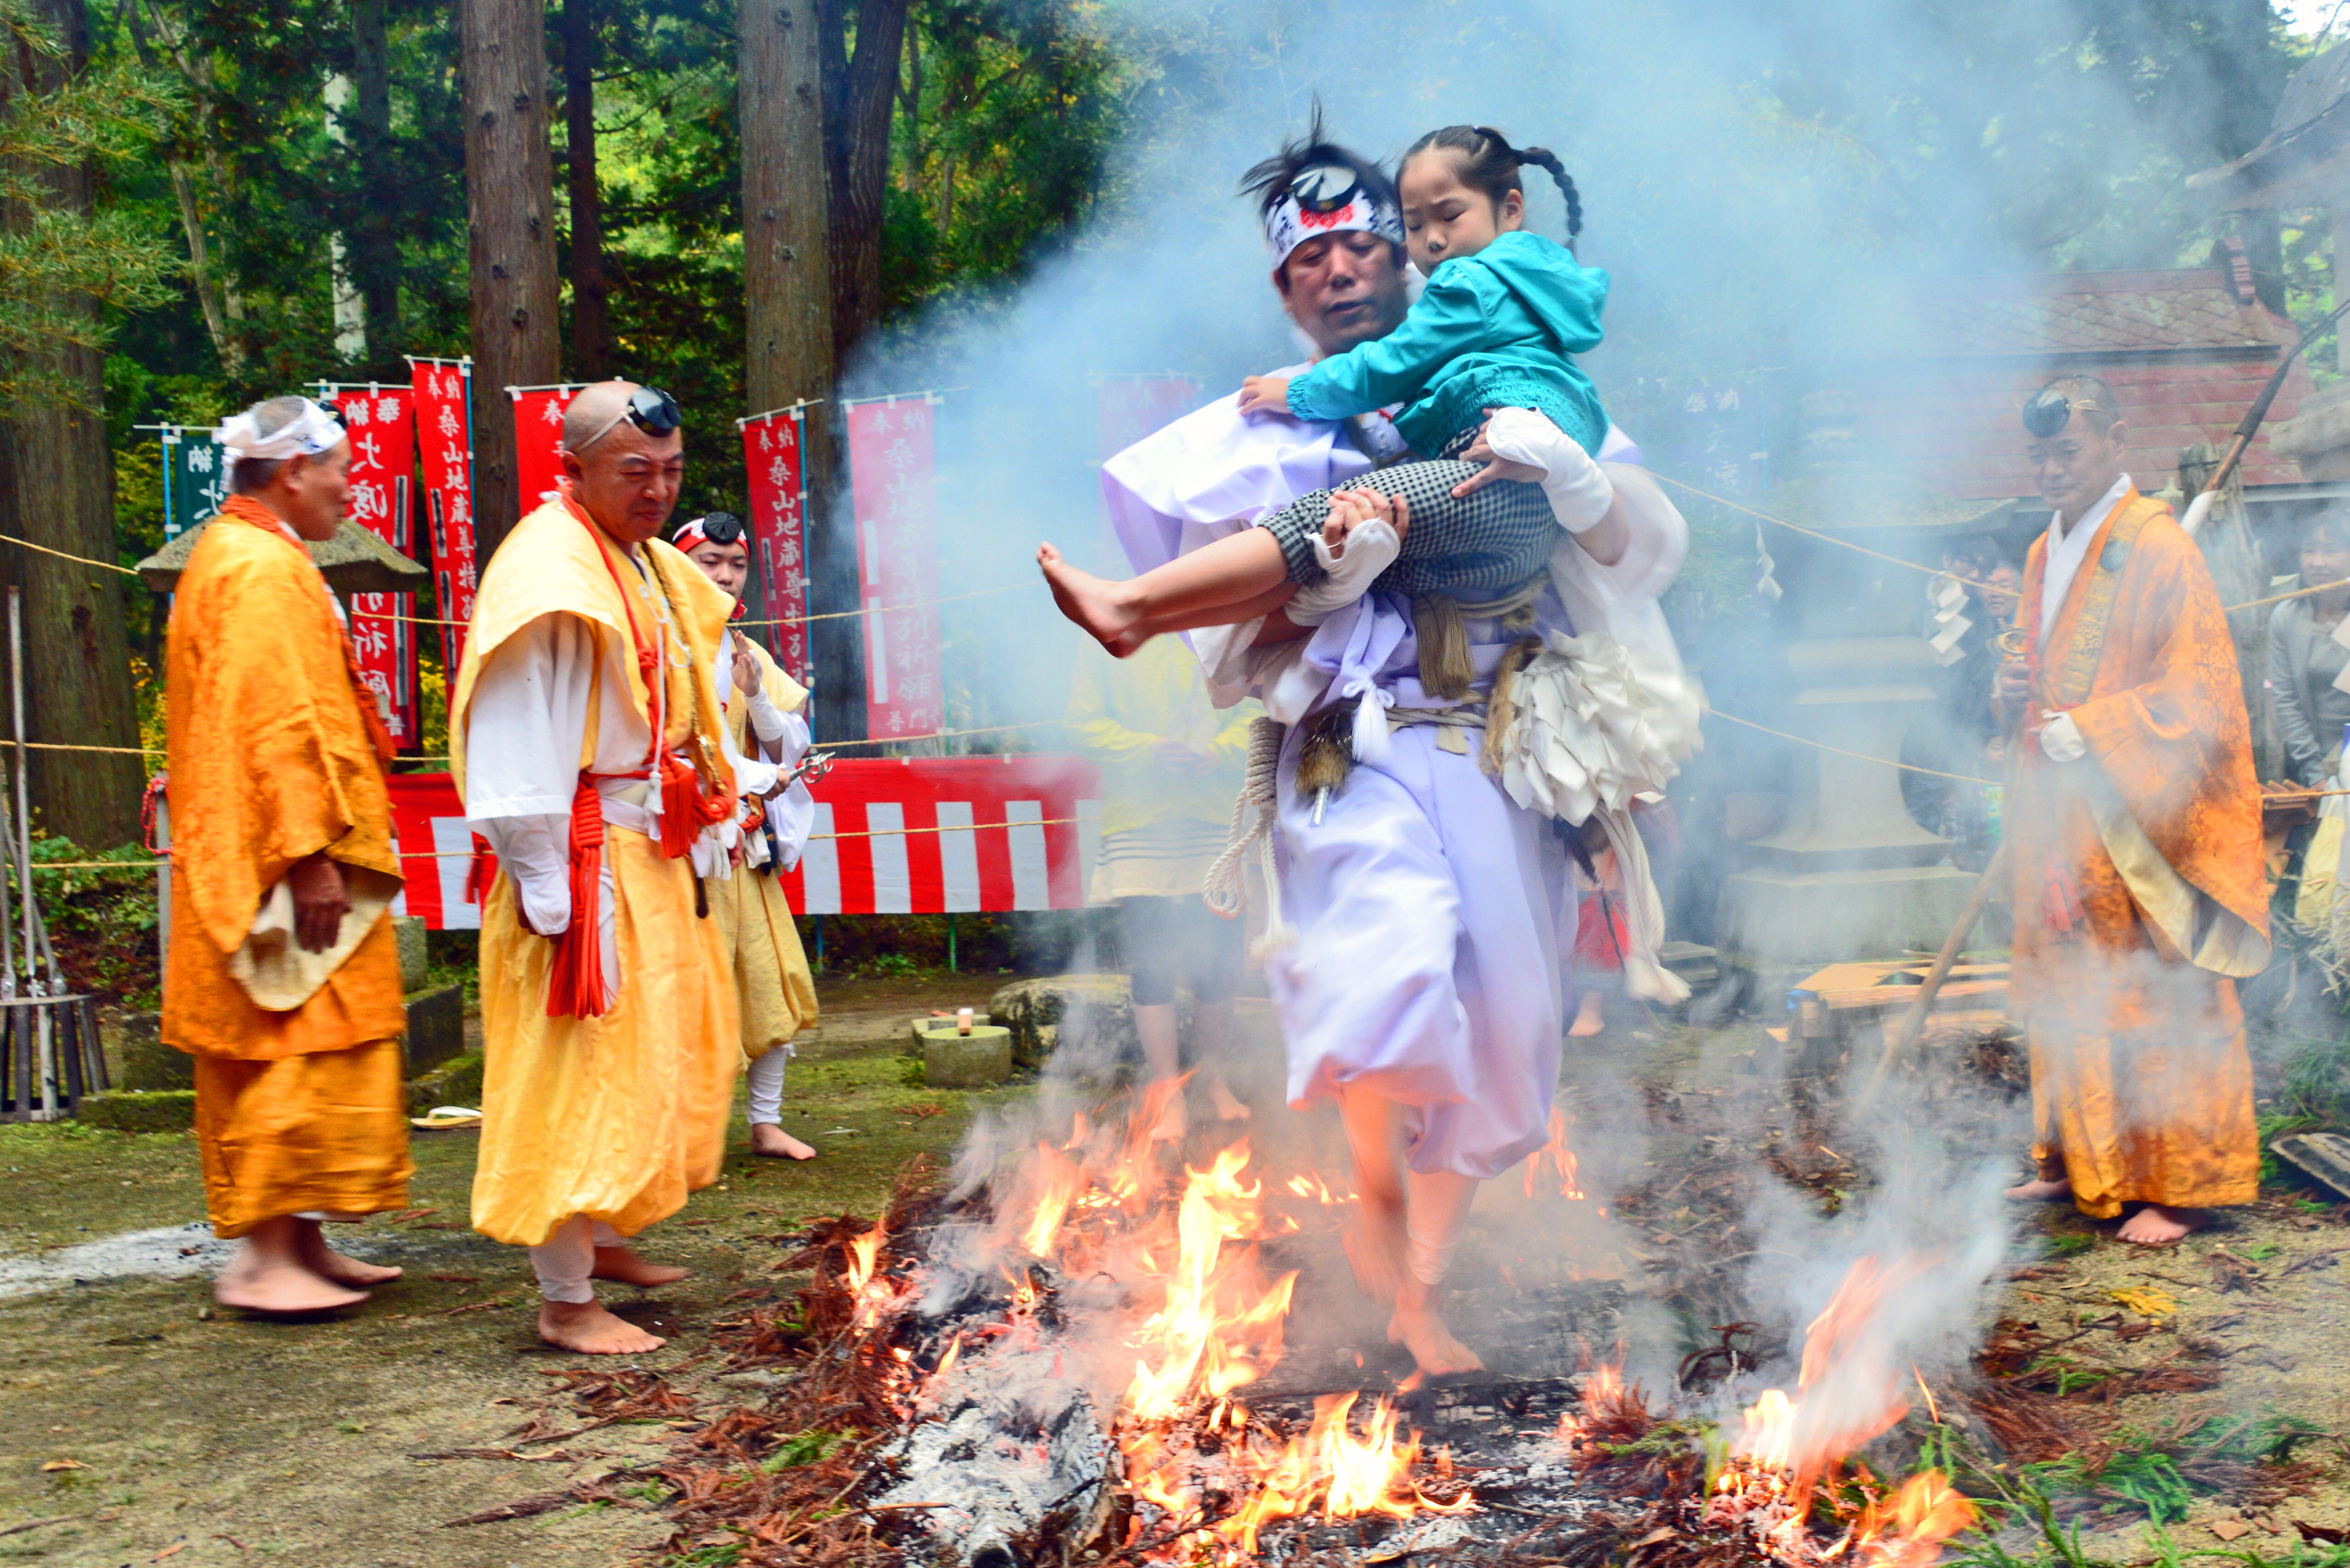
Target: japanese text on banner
(771, 460)
(538, 439)
(444, 443)
(195, 478)
(383, 475)
(892, 478)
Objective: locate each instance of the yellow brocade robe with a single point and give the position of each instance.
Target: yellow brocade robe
(617, 1118)
(270, 763)
(772, 987)
(2140, 894)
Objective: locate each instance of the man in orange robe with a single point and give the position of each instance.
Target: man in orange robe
(2134, 822)
(588, 742)
(283, 980)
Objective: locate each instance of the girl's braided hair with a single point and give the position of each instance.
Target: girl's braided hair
(1490, 164)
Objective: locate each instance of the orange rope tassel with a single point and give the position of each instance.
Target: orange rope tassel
(575, 987)
(685, 810)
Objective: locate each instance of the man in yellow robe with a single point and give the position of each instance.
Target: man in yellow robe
(2134, 825)
(763, 720)
(283, 979)
(609, 1018)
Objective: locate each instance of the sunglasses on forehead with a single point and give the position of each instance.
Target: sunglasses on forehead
(648, 408)
(2050, 412)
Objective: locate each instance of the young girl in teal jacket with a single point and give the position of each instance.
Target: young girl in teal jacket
(1504, 312)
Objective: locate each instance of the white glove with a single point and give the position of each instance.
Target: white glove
(2059, 739)
(767, 721)
(1369, 550)
(1580, 493)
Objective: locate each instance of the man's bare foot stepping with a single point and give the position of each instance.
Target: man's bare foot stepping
(586, 1327)
(255, 1282)
(622, 1265)
(1432, 1344)
(2160, 1225)
(341, 1268)
(768, 1139)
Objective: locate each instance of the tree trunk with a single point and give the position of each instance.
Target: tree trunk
(856, 145)
(591, 333)
(787, 293)
(509, 203)
(56, 489)
(375, 248)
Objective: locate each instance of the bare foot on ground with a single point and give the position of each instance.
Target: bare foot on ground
(1092, 603)
(620, 1264)
(2041, 1191)
(587, 1328)
(1590, 1017)
(328, 1264)
(773, 1141)
(1431, 1344)
(255, 1282)
(1227, 1105)
(2160, 1225)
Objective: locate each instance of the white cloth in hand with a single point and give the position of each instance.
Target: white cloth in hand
(2061, 739)
(1347, 571)
(1580, 492)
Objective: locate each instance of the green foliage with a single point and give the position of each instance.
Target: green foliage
(2147, 1479)
(2068, 1243)
(811, 1447)
(60, 264)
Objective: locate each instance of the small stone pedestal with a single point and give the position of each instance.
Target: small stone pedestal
(979, 1060)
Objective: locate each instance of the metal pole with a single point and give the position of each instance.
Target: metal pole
(49, 1055)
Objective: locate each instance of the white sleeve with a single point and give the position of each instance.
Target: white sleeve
(1362, 555)
(794, 811)
(752, 776)
(767, 721)
(1579, 491)
(523, 732)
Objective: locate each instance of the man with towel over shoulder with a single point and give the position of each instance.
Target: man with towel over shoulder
(588, 740)
(283, 979)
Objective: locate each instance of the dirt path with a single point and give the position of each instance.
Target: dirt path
(197, 1438)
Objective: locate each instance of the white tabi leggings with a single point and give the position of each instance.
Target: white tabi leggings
(765, 1085)
(565, 1260)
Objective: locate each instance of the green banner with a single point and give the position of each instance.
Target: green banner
(195, 477)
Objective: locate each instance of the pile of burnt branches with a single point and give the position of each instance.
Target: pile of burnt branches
(779, 1481)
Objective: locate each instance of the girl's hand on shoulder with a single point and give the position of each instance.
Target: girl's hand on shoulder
(1264, 395)
(1495, 467)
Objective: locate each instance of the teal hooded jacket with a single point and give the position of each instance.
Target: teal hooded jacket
(1494, 330)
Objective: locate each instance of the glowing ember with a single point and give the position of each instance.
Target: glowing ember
(1332, 1470)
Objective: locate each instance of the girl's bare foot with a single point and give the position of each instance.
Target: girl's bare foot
(1433, 1348)
(260, 1281)
(1093, 603)
(328, 1264)
(2041, 1191)
(773, 1141)
(586, 1327)
(2160, 1225)
(620, 1264)
(1590, 1017)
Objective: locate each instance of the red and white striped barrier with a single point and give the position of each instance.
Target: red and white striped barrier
(917, 836)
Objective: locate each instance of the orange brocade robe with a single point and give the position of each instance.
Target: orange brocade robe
(2140, 896)
(270, 763)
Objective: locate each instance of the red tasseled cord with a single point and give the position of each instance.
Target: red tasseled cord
(481, 875)
(685, 810)
(575, 987)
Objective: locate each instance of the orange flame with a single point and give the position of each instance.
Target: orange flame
(1925, 1513)
(1217, 1327)
(1346, 1475)
(1058, 1181)
(1558, 1155)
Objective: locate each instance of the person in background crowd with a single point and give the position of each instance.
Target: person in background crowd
(2141, 895)
(1170, 765)
(2304, 660)
(283, 979)
(765, 717)
(589, 746)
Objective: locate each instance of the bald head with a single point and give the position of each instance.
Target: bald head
(626, 478)
(594, 411)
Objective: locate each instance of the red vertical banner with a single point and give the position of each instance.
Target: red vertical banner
(892, 476)
(538, 439)
(383, 477)
(444, 445)
(772, 461)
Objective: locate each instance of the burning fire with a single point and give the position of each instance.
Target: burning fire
(1344, 1475)
(1847, 1394)
(1557, 1156)
(1218, 1324)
